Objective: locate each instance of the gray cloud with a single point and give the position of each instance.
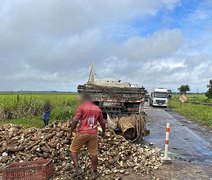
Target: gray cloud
(50, 45)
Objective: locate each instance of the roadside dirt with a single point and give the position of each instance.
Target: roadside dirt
(177, 170)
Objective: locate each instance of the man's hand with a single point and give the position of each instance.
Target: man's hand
(102, 124)
(73, 126)
(71, 134)
(103, 134)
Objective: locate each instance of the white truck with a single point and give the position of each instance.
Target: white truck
(159, 97)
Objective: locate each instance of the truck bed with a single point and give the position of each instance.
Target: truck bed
(115, 100)
(112, 93)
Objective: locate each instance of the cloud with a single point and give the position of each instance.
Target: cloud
(52, 16)
(50, 45)
(200, 15)
(160, 44)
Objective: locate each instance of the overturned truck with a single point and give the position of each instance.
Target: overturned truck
(118, 100)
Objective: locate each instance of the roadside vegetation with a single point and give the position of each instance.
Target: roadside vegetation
(26, 109)
(209, 92)
(198, 98)
(197, 112)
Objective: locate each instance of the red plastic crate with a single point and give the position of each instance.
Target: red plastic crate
(32, 170)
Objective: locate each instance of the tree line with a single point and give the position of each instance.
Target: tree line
(185, 88)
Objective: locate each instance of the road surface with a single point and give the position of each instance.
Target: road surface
(190, 145)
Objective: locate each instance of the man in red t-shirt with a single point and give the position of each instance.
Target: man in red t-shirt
(87, 115)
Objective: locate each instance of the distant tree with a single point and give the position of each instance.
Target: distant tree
(209, 92)
(184, 88)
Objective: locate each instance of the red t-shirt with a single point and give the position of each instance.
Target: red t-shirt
(89, 115)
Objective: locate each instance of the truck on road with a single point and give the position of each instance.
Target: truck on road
(121, 104)
(114, 97)
(159, 97)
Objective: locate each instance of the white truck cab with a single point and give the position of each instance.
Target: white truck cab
(159, 97)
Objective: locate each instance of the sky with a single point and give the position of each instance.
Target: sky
(48, 45)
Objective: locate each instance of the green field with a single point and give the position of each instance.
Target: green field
(26, 109)
(198, 98)
(199, 113)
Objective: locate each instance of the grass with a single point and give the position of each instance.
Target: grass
(198, 98)
(199, 113)
(25, 122)
(26, 109)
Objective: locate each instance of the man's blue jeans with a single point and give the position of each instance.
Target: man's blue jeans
(46, 117)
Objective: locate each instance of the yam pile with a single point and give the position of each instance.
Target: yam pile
(117, 156)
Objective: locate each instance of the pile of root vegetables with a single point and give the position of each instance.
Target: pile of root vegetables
(117, 156)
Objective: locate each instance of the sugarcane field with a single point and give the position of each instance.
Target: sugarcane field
(105, 90)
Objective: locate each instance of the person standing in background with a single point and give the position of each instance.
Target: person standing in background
(46, 112)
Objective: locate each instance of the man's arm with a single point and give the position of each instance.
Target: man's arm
(102, 124)
(74, 125)
(50, 107)
(48, 110)
(76, 119)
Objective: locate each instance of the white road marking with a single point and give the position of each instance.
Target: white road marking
(173, 118)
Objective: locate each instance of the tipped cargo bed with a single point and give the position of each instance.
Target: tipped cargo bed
(115, 100)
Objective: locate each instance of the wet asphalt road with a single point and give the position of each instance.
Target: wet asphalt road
(188, 140)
